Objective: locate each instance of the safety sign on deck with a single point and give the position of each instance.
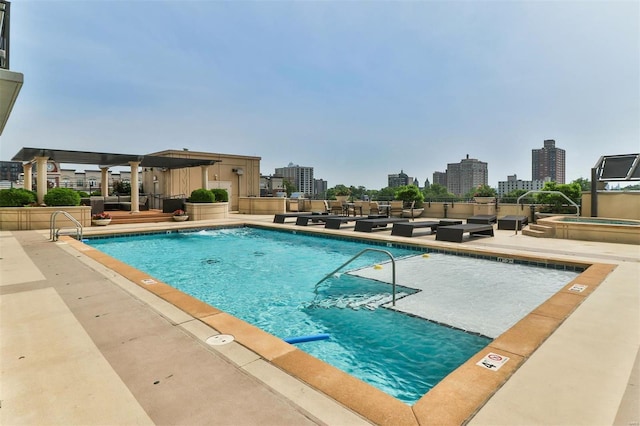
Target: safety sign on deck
(578, 288)
(493, 361)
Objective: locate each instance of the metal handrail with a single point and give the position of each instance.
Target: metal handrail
(53, 233)
(393, 263)
(551, 192)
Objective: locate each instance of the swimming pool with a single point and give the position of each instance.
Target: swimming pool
(368, 342)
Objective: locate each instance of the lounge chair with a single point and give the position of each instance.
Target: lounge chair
(455, 233)
(303, 220)
(281, 217)
(405, 229)
(367, 225)
(482, 219)
(334, 222)
(513, 222)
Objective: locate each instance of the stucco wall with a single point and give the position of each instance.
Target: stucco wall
(614, 204)
(29, 218)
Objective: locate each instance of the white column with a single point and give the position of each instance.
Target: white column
(135, 196)
(104, 181)
(26, 168)
(205, 176)
(41, 178)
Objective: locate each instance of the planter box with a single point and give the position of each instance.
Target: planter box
(30, 218)
(207, 211)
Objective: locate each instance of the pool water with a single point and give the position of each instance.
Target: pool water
(268, 279)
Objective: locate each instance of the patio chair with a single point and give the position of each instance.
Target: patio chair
(396, 208)
(335, 207)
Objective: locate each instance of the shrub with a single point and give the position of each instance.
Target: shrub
(221, 195)
(202, 196)
(409, 194)
(83, 194)
(122, 188)
(62, 197)
(16, 197)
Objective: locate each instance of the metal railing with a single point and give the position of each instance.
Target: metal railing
(551, 192)
(393, 263)
(54, 233)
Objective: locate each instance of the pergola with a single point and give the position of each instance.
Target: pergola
(104, 161)
(612, 168)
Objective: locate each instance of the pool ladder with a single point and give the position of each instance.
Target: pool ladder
(393, 265)
(54, 233)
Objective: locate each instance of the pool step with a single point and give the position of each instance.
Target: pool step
(540, 231)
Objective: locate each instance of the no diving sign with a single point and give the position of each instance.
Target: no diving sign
(493, 361)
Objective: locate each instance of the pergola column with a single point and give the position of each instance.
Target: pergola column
(104, 181)
(41, 177)
(205, 176)
(135, 196)
(27, 170)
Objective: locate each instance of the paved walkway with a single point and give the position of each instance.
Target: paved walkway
(80, 344)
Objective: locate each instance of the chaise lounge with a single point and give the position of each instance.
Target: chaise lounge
(455, 233)
(281, 217)
(304, 220)
(513, 222)
(483, 219)
(367, 225)
(405, 229)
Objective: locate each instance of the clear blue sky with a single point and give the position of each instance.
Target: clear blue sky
(356, 89)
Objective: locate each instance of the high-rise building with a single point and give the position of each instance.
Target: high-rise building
(548, 163)
(10, 170)
(300, 177)
(440, 178)
(466, 175)
(400, 179)
(513, 183)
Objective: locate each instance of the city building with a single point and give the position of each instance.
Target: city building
(271, 186)
(466, 175)
(10, 170)
(548, 163)
(440, 178)
(513, 183)
(320, 188)
(400, 179)
(301, 177)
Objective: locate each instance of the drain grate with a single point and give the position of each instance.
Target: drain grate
(219, 339)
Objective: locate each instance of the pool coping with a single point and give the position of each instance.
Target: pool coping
(454, 400)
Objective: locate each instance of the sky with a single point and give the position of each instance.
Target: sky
(357, 90)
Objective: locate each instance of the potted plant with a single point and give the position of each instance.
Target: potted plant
(484, 194)
(412, 199)
(101, 219)
(180, 215)
(342, 193)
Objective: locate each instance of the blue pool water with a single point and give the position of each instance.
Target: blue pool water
(267, 278)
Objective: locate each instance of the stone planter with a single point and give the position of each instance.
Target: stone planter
(181, 218)
(207, 211)
(100, 222)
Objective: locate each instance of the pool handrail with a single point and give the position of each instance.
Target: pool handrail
(393, 276)
(534, 191)
(55, 232)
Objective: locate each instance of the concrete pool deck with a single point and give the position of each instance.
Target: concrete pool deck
(82, 344)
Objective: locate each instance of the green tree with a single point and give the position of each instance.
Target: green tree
(572, 190)
(289, 187)
(386, 194)
(585, 184)
(436, 190)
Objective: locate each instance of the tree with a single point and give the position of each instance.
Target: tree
(386, 194)
(289, 187)
(572, 190)
(585, 184)
(436, 190)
